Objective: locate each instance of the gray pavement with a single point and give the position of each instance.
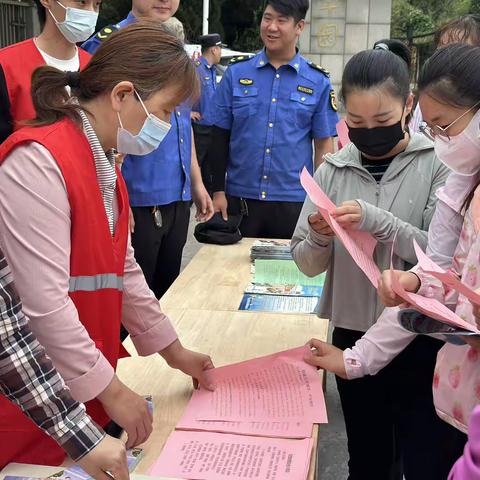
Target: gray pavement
(332, 447)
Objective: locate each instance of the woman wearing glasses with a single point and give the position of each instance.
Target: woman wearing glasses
(384, 183)
(450, 102)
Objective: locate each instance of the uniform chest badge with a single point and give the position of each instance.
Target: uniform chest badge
(307, 90)
(246, 81)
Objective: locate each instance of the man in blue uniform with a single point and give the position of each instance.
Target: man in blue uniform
(162, 184)
(268, 111)
(202, 114)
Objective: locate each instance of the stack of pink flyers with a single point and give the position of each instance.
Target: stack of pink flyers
(256, 424)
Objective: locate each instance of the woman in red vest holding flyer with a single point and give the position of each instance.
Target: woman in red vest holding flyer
(64, 214)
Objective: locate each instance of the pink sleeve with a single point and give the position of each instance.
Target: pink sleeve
(382, 342)
(35, 236)
(150, 329)
(468, 465)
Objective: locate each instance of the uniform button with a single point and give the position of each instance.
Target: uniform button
(264, 194)
(274, 100)
(268, 150)
(277, 75)
(178, 113)
(265, 177)
(245, 92)
(303, 99)
(270, 125)
(181, 140)
(184, 192)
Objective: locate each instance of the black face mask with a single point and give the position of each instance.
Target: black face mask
(377, 141)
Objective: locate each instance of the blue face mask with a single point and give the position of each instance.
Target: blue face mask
(147, 139)
(79, 24)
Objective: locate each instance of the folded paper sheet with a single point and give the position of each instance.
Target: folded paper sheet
(447, 278)
(360, 245)
(276, 388)
(214, 456)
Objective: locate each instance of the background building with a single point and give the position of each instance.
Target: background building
(337, 29)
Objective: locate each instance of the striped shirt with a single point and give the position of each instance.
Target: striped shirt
(29, 379)
(105, 168)
(377, 168)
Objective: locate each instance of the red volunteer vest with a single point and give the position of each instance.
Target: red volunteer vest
(96, 268)
(18, 63)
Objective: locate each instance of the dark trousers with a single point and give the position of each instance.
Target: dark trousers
(201, 135)
(265, 219)
(158, 250)
(391, 423)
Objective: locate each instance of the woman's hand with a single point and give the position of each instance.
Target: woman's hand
(409, 281)
(348, 215)
(129, 410)
(203, 202)
(189, 362)
(320, 225)
(108, 456)
(326, 356)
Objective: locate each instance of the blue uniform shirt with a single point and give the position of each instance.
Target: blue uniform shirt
(163, 176)
(207, 74)
(94, 42)
(273, 116)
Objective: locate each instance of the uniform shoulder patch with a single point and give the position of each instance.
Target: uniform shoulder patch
(105, 32)
(241, 58)
(319, 68)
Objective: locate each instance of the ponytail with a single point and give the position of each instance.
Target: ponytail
(50, 97)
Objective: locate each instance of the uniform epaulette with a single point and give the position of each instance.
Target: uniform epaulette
(105, 32)
(241, 58)
(319, 68)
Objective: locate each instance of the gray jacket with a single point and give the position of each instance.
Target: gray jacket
(404, 200)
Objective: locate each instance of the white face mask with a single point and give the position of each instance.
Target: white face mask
(78, 26)
(147, 139)
(462, 152)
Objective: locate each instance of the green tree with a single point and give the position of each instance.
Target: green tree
(419, 17)
(474, 6)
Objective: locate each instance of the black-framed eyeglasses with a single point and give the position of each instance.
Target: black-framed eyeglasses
(437, 130)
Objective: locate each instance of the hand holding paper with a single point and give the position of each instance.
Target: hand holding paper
(430, 306)
(447, 278)
(360, 245)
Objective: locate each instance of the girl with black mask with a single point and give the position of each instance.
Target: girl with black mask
(384, 182)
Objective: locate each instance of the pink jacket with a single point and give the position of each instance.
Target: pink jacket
(456, 382)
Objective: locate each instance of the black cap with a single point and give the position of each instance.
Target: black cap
(210, 40)
(219, 231)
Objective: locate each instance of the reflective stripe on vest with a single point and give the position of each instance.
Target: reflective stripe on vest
(96, 282)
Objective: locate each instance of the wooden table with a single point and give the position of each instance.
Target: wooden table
(228, 337)
(203, 305)
(214, 279)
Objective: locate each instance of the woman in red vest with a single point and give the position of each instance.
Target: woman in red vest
(64, 23)
(64, 213)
